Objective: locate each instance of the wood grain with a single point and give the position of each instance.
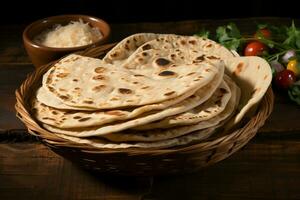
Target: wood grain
(267, 168)
(12, 76)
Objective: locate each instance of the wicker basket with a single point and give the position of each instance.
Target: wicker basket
(139, 161)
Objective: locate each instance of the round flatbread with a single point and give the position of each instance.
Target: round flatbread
(127, 47)
(253, 75)
(212, 107)
(70, 117)
(105, 86)
(44, 97)
(182, 49)
(144, 41)
(196, 99)
(163, 134)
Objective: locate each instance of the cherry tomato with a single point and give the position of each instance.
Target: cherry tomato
(285, 78)
(255, 49)
(264, 32)
(292, 65)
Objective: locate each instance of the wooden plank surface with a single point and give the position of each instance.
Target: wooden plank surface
(12, 75)
(267, 168)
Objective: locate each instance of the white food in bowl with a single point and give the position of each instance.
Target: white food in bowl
(75, 34)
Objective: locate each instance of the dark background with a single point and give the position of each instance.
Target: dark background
(114, 11)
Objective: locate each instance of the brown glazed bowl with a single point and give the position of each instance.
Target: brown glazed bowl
(41, 55)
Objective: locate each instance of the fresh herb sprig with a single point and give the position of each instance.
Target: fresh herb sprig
(283, 39)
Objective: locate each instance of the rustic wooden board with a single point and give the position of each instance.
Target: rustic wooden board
(267, 168)
(12, 76)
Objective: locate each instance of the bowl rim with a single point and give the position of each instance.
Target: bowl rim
(62, 49)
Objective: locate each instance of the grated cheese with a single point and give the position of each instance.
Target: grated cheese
(75, 34)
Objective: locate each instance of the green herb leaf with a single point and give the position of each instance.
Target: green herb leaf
(293, 37)
(232, 44)
(294, 92)
(222, 35)
(229, 36)
(203, 33)
(298, 42)
(267, 42)
(262, 26)
(234, 31)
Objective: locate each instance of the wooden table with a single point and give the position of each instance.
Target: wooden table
(266, 168)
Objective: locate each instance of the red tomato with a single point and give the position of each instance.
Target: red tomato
(285, 78)
(255, 49)
(264, 31)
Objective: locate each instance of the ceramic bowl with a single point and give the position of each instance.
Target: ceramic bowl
(40, 54)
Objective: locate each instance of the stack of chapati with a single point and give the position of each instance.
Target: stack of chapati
(149, 91)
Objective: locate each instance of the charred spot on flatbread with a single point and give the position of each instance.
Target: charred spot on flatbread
(169, 93)
(84, 119)
(62, 75)
(162, 62)
(146, 47)
(212, 57)
(239, 68)
(99, 69)
(125, 91)
(167, 73)
(98, 77)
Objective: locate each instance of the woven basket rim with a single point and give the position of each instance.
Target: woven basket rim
(24, 92)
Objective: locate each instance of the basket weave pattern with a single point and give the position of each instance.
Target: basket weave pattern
(139, 161)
